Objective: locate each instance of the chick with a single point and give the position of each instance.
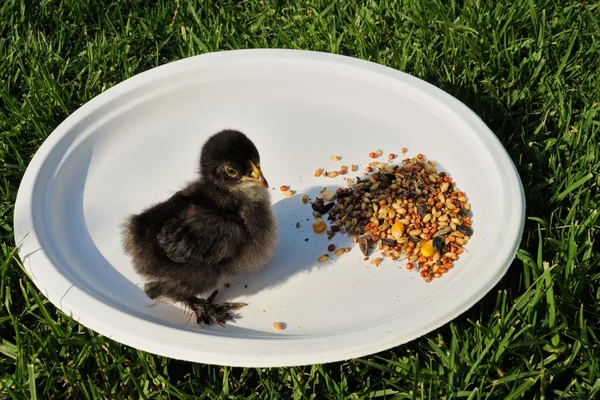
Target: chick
(219, 225)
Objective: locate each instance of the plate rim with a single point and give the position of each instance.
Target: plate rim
(26, 237)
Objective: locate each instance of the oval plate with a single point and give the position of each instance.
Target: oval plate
(138, 142)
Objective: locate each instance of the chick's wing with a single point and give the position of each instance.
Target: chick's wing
(201, 238)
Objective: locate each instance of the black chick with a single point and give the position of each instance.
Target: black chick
(222, 224)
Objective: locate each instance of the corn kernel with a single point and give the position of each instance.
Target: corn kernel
(397, 230)
(427, 249)
(319, 225)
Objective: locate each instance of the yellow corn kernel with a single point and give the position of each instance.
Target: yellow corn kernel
(427, 249)
(319, 225)
(397, 230)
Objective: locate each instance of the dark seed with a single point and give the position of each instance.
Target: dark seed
(335, 228)
(341, 195)
(385, 178)
(389, 242)
(363, 244)
(414, 239)
(412, 194)
(466, 230)
(438, 244)
(316, 206)
(421, 210)
(463, 212)
(325, 209)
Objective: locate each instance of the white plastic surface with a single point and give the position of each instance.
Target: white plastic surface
(138, 142)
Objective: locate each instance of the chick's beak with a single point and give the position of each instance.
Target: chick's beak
(257, 177)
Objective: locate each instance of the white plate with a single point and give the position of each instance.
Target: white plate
(138, 142)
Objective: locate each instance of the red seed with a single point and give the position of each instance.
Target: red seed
(373, 154)
(369, 169)
(392, 156)
(423, 274)
(420, 156)
(409, 266)
(283, 188)
(403, 150)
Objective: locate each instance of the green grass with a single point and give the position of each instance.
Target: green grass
(530, 69)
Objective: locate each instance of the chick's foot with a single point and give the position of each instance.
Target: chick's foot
(207, 312)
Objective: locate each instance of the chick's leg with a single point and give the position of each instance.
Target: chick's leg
(207, 312)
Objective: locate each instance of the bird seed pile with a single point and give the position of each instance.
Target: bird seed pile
(408, 211)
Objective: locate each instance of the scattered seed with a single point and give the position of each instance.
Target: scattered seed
(331, 247)
(373, 154)
(376, 261)
(297, 224)
(278, 326)
(340, 251)
(323, 258)
(333, 174)
(305, 198)
(318, 172)
(336, 158)
(289, 193)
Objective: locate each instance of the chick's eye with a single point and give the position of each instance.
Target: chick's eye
(231, 172)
